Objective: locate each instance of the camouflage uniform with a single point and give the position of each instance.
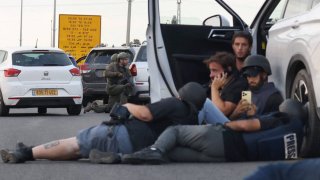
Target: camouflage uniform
(119, 84)
(117, 88)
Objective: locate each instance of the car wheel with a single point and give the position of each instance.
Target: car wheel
(4, 110)
(74, 110)
(302, 90)
(42, 110)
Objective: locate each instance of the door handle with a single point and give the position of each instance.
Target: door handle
(218, 35)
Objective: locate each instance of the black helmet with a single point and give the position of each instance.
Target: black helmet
(123, 55)
(114, 57)
(293, 108)
(256, 61)
(193, 93)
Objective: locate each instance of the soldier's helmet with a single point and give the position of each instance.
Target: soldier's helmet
(114, 57)
(256, 61)
(123, 55)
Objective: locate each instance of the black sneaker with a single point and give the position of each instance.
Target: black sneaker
(99, 157)
(148, 155)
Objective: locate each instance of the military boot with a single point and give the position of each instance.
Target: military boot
(20, 155)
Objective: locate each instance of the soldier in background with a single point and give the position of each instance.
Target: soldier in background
(119, 80)
(119, 83)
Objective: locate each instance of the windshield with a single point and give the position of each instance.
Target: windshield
(104, 56)
(247, 10)
(40, 59)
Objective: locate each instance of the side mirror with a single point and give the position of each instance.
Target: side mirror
(216, 20)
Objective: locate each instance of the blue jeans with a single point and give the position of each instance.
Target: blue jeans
(104, 138)
(210, 114)
(305, 169)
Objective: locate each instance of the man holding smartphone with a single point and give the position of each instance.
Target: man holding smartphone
(265, 96)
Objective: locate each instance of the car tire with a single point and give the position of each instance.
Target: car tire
(4, 110)
(42, 110)
(302, 90)
(74, 110)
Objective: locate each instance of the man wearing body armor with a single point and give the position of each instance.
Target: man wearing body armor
(119, 81)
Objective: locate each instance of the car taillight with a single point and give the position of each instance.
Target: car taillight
(84, 68)
(133, 70)
(11, 72)
(75, 72)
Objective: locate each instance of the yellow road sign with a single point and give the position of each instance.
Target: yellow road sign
(79, 33)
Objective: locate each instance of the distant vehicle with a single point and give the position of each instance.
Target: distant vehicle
(140, 71)
(73, 60)
(39, 77)
(93, 72)
(81, 60)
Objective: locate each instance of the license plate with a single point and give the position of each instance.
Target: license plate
(45, 92)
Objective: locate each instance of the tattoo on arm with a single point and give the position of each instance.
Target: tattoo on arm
(51, 144)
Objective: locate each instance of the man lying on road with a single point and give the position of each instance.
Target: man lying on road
(118, 136)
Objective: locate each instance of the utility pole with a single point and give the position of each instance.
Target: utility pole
(54, 24)
(179, 11)
(21, 23)
(128, 22)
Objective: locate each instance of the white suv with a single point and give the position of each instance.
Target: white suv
(39, 77)
(294, 53)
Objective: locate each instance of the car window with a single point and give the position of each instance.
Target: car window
(142, 55)
(296, 7)
(2, 56)
(277, 14)
(315, 2)
(40, 59)
(202, 9)
(103, 56)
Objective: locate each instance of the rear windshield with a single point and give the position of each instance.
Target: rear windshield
(142, 55)
(40, 59)
(103, 56)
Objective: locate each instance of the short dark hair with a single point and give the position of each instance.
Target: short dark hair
(225, 59)
(243, 34)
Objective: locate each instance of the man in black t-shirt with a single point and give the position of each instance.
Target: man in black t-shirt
(226, 83)
(139, 131)
(275, 136)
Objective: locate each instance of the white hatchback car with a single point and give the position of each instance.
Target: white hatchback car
(39, 77)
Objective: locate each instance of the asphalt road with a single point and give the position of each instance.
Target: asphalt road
(27, 126)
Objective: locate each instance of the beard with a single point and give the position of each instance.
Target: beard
(243, 57)
(256, 87)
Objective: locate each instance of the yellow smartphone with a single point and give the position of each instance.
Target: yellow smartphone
(246, 95)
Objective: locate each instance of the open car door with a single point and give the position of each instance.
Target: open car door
(177, 47)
